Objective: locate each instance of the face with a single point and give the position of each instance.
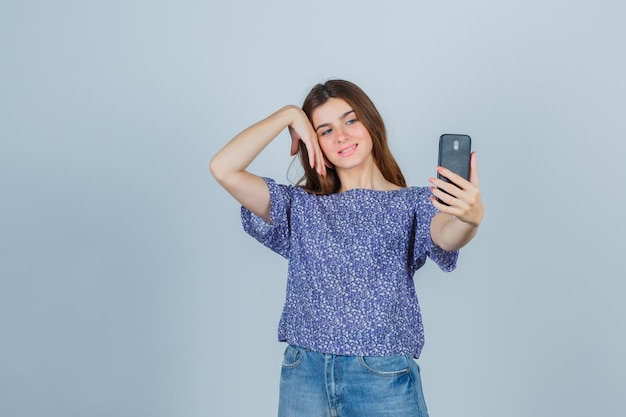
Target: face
(343, 138)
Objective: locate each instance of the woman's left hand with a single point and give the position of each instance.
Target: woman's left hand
(463, 199)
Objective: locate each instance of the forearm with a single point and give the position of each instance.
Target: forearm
(450, 233)
(460, 211)
(239, 153)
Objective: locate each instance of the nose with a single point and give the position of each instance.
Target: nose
(342, 135)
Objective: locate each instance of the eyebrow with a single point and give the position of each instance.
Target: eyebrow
(328, 124)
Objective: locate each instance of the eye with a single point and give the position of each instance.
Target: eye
(352, 121)
(326, 132)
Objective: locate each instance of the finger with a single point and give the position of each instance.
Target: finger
(447, 204)
(294, 135)
(318, 162)
(294, 146)
(473, 170)
(442, 196)
(313, 156)
(295, 140)
(320, 158)
(441, 205)
(322, 161)
(453, 177)
(451, 194)
(448, 187)
(316, 156)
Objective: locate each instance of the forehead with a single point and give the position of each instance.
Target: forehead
(330, 111)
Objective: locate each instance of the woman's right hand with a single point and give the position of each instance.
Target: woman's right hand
(302, 130)
(229, 165)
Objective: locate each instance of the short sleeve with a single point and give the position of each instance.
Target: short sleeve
(274, 234)
(424, 245)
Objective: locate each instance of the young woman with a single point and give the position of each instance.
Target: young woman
(354, 235)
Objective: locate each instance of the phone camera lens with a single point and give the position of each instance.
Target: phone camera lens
(456, 145)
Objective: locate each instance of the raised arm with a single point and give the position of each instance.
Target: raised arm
(457, 223)
(229, 165)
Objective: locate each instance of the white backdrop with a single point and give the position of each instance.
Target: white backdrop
(127, 287)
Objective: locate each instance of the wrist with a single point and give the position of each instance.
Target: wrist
(290, 112)
(467, 224)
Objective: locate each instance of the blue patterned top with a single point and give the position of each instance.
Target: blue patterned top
(352, 257)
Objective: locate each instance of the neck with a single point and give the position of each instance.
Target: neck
(366, 175)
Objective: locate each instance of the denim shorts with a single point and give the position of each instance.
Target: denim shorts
(323, 385)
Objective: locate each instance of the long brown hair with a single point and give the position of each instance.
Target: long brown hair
(367, 113)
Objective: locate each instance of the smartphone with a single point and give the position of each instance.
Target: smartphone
(454, 154)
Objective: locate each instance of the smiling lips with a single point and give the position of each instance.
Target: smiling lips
(349, 150)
